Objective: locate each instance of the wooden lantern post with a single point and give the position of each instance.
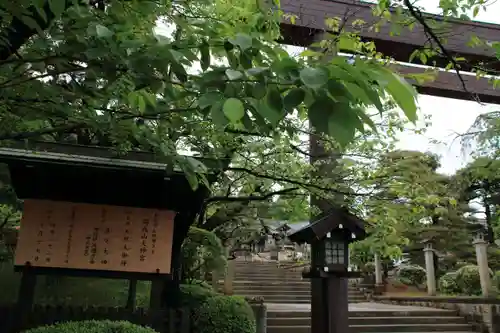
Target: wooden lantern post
(90, 213)
(329, 237)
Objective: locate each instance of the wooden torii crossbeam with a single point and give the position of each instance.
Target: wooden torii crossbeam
(310, 23)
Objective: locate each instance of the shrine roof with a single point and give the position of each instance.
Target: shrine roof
(62, 153)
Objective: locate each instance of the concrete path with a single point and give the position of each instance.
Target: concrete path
(365, 306)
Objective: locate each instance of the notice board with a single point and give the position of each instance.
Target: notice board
(97, 237)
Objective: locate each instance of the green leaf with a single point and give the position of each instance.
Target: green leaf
(402, 93)
(102, 31)
(335, 119)
(30, 22)
(269, 113)
(339, 92)
(233, 74)
(259, 91)
(243, 41)
(319, 113)
(57, 7)
(179, 71)
(232, 59)
(342, 124)
(150, 98)
(294, 98)
(246, 60)
(311, 53)
(257, 71)
(274, 99)
(366, 119)
(347, 43)
(233, 109)
(314, 78)
(209, 98)
(218, 115)
(205, 55)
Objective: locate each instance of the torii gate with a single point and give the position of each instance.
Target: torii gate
(310, 22)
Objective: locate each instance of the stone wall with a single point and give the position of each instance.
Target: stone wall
(483, 313)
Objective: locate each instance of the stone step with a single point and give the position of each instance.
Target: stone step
(371, 314)
(274, 276)
(404, 320)
(271, 282)
(444, 328)
(264, 292)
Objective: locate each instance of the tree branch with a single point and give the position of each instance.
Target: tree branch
(18, 33)
(251, 197)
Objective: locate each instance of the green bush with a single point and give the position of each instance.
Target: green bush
(411, 275)
(368, 268)
(468, 280)
(447, 284)
(496, 281)
(224, 314)
(92, 326)
(202, 253)
(193, 295)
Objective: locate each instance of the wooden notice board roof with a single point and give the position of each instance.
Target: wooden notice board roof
(63, 172)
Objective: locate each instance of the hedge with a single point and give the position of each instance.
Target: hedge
(92, 326)
(224, 314)
(411, 275)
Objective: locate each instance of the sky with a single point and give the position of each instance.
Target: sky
(449, 117)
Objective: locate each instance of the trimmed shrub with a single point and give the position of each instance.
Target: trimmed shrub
(496, 281)
(447, 284)
(92, 326)
(468, 280)
(193, 295)
(411, 275)
(224, 314)
(202, 253)
(368, 268)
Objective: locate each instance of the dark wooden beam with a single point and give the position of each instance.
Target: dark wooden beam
(448, 84)
(311, 15)
(310, 24)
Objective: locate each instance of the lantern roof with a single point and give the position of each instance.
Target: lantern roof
(327, 222)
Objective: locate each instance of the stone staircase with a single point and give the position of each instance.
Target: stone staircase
(287, 296)
(377, 320)
(277, 284)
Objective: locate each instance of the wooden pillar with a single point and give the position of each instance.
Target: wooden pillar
(131, 295)
(323, 289)
(25, 299)
(338, 307)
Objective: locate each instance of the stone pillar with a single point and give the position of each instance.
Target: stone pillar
(429, 268)
(215, 280)
(379, 281)
(481, 246)
(228, 273)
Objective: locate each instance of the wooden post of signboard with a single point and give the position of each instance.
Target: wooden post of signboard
(25, 297)
(131, 295)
